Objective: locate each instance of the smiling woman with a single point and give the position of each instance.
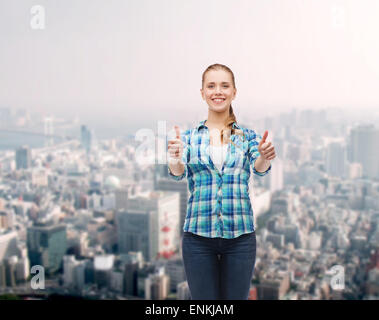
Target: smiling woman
(216, 157)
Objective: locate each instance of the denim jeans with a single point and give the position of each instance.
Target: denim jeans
(218, 268)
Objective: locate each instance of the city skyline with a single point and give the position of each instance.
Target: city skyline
(108, 224)
(100, 61)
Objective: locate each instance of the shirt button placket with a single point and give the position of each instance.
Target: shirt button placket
(219, 197)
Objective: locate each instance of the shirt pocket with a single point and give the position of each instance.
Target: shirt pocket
(235, 159)
(199, 156)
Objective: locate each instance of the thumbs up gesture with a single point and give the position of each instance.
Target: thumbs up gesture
(175, 147)
(266, 150)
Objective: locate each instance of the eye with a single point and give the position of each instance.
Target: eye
(226, 86)
(210, 86)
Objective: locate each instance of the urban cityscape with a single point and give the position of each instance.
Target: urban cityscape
(83, 216)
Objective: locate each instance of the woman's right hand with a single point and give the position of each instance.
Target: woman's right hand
(175, 147)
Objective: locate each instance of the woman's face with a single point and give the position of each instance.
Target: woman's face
(218, 90)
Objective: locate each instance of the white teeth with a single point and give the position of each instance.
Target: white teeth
(218, 100)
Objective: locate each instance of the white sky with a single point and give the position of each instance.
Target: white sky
(141, 61)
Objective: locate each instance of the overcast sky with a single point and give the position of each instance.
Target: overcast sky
(140, 61)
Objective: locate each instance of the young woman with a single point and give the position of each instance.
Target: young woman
(219, 243)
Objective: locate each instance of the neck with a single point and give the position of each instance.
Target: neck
(217, 119)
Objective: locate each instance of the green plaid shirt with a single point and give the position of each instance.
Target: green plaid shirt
(219, 202)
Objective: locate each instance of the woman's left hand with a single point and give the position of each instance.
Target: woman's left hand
(266, 150)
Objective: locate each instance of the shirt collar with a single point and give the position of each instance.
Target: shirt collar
(201, 124)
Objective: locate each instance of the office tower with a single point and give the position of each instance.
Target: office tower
(121, 198)
(10, 271)
(292, 234)
(276, 239)
(39, 178)
(108, 201)
(89, 271)
(3, 279)
(150, 225)
(6, 219)
(372, 283)
(282, 204)
(131, 277)
(354, 170)
(276, 176)
(335, 161)
(143, 274)
(48, 131)
(157, 285)
(182, 291)
(167, 184)
(175, 270)
(103, 265)
(23, 158)
(8, 244)
(117, 281)
(363, 148)
(81, 201)
(13, 271)
(314, 240)
(22, 269)
(86, 138)
(160, 171)
(274, 286)
(73, 272)
(130, 264)
(47, 245)
(261, 201)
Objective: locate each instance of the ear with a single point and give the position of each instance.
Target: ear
(235, 93)
(202, 93)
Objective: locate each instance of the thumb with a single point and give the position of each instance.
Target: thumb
(264, 138)
(177, 131)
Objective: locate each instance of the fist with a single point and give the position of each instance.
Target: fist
(175, 147)
(266, 150)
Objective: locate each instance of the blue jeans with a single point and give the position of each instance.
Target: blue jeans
(218, 268)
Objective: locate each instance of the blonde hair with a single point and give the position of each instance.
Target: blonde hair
(228, 129)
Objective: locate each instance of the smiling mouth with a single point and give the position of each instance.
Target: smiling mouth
(218, 100)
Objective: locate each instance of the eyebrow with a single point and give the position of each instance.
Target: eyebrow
(221, 82)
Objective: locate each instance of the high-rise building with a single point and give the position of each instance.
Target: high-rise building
(276, 176)
(335, 161)
(131, 276)
(117, 281)
(121, 198)
(47, 245)
(274, 287)
(157, 285)
(3, 279)
(182, 291)
(363, 148)
(86, 138)
(10, 271)
(6, 219)
(372, 284)
(49, 131)
(73, 272)
(23, 158)
(175, 270)
(150, 225)
(166, 184)
(8, 244)
(103, 265)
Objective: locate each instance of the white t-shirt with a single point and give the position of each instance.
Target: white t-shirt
(218, 155)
